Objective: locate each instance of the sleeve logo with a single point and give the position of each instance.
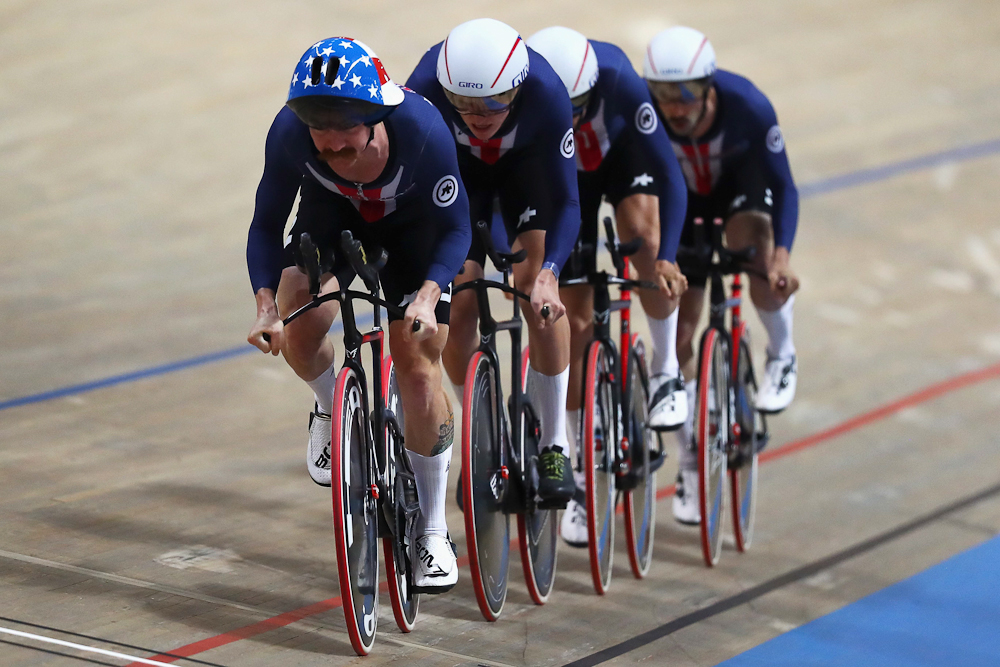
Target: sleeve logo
(775, 139)
(568, 146)
(446, 191)
(645, 118)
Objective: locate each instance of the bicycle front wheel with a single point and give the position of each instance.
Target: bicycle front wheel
(355, 519)
(751, 429)
(640, 498)
(600, 437)
(487, 526)
(537, 529)
(401, 488)
(711, 434)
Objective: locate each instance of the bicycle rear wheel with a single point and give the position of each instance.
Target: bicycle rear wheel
(537, 529)
(600, 426)
(750, 429)
(640, 498)
(487, 526)
(401, 489)
(355, 515)
(711, 433)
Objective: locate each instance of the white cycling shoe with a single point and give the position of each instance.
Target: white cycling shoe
(318, 450)
(573, 526)
(685, 506)
(777, 387)
(435, 568)
(668, 403)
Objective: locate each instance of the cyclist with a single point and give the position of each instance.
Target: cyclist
(368, 157)
(622, 155)
(513, 126)
(732, 152)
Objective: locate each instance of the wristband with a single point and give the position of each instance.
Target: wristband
(551, 266)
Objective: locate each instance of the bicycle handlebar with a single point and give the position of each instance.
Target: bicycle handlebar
(368, 270)
(702, 252)
(619, 251)
(501, 260)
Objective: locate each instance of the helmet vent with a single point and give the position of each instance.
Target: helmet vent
(317, 70)
(332, 67)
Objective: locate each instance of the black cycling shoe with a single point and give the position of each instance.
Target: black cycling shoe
(555, 475)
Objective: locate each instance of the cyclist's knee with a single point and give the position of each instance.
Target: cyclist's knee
(639, 215)
(750, 228)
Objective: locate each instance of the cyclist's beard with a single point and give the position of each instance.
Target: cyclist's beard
(345, 153)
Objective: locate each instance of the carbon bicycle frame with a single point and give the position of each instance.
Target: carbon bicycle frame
(488, 328)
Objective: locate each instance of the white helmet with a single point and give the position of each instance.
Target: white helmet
(482, 58)
(679, 54)
(570, 55)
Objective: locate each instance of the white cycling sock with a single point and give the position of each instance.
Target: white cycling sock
(778, 324)
(549, 398)
(431, 473)
(664, 335)
(323, 387)
(687, 456)
(572, 434)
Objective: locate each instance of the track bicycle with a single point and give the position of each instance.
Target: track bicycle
(373, 488)
(620, 454)
(729, 431)
(500, 455)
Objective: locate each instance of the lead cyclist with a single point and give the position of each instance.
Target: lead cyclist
(623, 156)
(369, 157)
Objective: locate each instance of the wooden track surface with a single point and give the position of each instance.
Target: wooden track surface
(131, 143)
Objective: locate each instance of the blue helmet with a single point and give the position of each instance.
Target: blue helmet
(340, 83)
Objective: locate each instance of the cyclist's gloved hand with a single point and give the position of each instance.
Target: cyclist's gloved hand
(782, 279)
(266, 332)
(545, 292)
(422, 309)
(670, 279)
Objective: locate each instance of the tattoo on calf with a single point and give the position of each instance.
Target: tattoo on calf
(446, 435)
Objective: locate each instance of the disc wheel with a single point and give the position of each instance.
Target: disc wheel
(640, 499)
(537, 529)
(750, 428)
(600, 426)
(711, 434)
(355, 515)
(402, 489)
(487, 526)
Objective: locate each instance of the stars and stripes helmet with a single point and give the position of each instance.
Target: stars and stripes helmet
(480, 66)
(572, 58)
(339, 83)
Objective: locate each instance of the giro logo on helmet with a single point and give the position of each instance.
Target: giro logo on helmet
(568, 146)
(645, 118)
(469, 84)
(519, 79)
(446, 191)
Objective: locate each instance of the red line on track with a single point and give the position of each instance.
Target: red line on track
(922, 396)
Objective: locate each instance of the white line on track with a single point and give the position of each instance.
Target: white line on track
(79, 647)
(313, 625)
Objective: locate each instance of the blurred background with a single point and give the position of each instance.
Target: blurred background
(131, 144)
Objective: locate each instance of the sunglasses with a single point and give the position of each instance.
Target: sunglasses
(679, 92)
(492, 105)
(580, 103)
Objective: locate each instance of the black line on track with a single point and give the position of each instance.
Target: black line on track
(59, 653)
(108, 641)
(781, 581)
